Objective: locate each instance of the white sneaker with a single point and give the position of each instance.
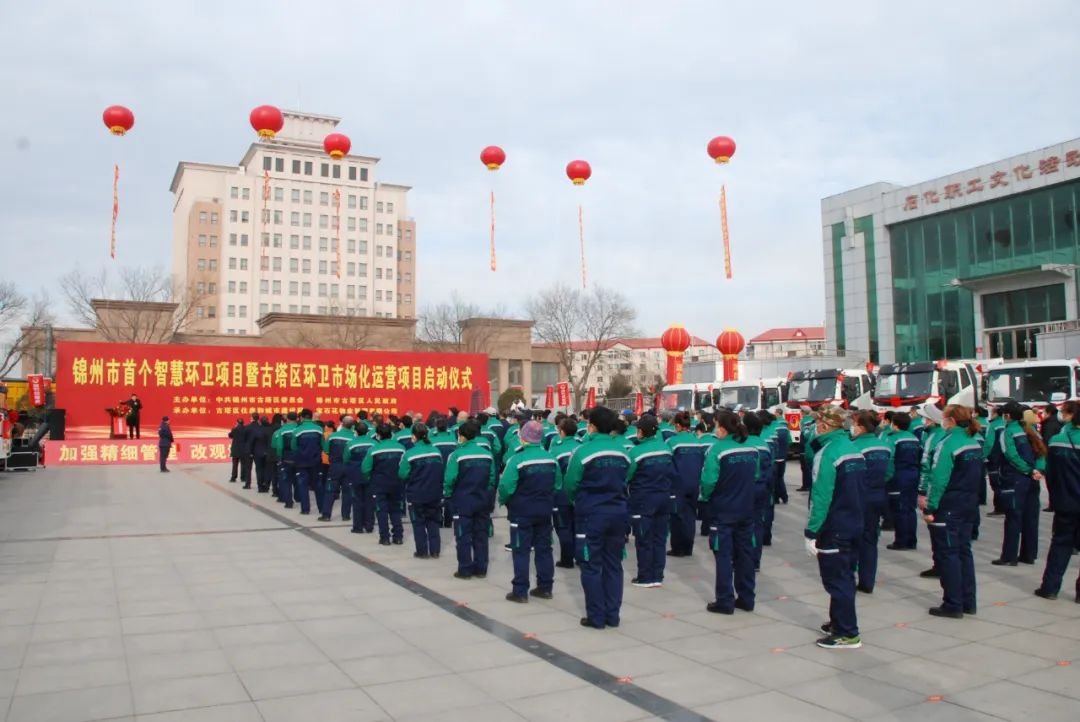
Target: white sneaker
(640, 585)
(655, 585)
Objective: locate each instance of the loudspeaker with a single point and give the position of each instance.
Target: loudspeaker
(56, 419)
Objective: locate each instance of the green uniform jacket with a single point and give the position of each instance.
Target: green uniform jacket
(527, 453)
(990, 435)
(358, 442)
(342, 433)
(930, 440)
(954, 440)
(469, 448)
(276, 440)
(1008, 445)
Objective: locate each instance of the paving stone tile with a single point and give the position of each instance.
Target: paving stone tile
(242, 712)
(79, 675)
(524, 680)
(293, 680)
(777, 706)
(381, 669)
(587, 704)
(77, 705)
(351, 705)
(853, 695)
(145, 667)
(448, 692)
(1017, 702)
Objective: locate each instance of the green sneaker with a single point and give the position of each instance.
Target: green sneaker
(835, 642)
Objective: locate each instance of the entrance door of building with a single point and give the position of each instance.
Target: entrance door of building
(1012, 318)
(1011, 343)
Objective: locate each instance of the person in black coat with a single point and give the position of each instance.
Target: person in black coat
(257, 451)
(245, 453)
(134, 409)
(165, 442)
(237, 448)
(270, 467)
(1048, 429)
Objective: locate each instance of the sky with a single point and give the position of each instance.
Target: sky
(820, 98)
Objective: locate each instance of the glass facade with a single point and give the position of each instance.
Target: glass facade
(935, 319)
(838, 286)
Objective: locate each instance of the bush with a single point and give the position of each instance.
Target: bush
(510, 397)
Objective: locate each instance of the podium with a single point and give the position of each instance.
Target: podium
(118, 428)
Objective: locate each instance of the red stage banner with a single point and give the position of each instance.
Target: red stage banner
(204, 389)
(563, 389)
(80, 452)
(590, 398)
(35, 385)
(549, 397)
(639, 403)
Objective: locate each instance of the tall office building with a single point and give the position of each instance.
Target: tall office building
(291, 230)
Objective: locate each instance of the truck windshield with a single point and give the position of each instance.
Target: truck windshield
(821, 389)
(746, 396)
(1033, 383)
(906, 384)
(680, 400)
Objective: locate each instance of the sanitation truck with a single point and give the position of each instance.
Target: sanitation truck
(1035, 383)
(848, 388)
(902, 387)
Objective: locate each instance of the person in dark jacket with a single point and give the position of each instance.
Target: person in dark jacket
(237, 447)
(835, 524)
(132, 420)
(165, 442)
(1063, 485)
(763, 487)
(285, 451)
(363, 511)
(562, 449)
(307, 455)
(878, 456)
(596, 485)
(270, 467)
(258, 449)
(952, 501)
(381, 466)
(246, 461)
(422, 470)
(1049, 427)
(903, 487)
(338, 481)
(527, 489)
(650, 481)
(727, 493)
(688, 452)
(467, 483)
(1021, 472)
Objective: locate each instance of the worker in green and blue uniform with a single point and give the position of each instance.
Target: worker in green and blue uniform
(527, 488)
(307, 455)
(834, 526)
(422, 470)
(1063, 485)
(1021, 472)
(902, 487)
(596, 485)
(445, 441)
(380, 465)
(563, 510)
(877, 455)
(762, 481)
(650, 480)
(467, 486)
(339, 481)
(281, 443)
(929, 439)
(688, 451)
(363, 506)
(993, 455)
(783, 443)
(806, 435)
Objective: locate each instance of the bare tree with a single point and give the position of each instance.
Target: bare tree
(441, 327)
(345, 329)
(574, 322)
(128, 323)
(21, 322)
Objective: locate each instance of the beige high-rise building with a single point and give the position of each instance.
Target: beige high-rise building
(292, 230)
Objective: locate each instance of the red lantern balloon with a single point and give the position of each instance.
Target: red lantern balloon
(493, 157)
(721, 148)
(337, 145)
(118, 119)
(675, 341)
(730, 342)
(267, 121)
(578, 171)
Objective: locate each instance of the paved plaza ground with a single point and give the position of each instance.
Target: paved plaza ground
(126, 594)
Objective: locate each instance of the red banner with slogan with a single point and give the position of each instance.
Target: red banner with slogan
(590, 398)
(35, 388)
(564, 393)
(205, 389)
(80, 452)
(549, 397)
(639, 403)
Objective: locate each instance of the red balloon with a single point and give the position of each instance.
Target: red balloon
(267, 121)
(721, 148)
(578, 171)
(118, 119)
(730, 342)
(675, 339)
(493, 157)
(337, 145)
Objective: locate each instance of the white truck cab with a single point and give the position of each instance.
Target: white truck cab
(901, 387)
(848, 388)
(1034, 383)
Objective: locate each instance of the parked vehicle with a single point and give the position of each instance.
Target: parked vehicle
(901, 387)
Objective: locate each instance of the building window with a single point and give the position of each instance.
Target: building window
(324, 243)
(296, 167)
(333, 290)
(243, 311)
(263, 309)
(243, 240)
(324, 170)
(307, 265)
(389, 295)
(408, 277)
(378, 229)
(200, 287)
(389, 251)
(378, 294)
(408, 234)
(232, 266)
(389, 207)
(408, 255)
(350, 292)
(362, 225)
(294, 265)
(294, 288)
(232, 239)
(201, 264)
(361, 291)
(334, 245)
(305, 309)
(279, 165)
(324, 221)
(211, 288)
(324, 198)
(363, 174)
(279, 193)
(202, 216)
(352, 201)
(231, 331)
(276, 307)
(266, 240)
(244, 216)
(277, 240)
(361, 246)
(363, 203)
(351, 223)
(307, 243)
(211, 311)
(245, 194)
(278, 218)
(264, 263)
(264, 286)
(322, 268)
(243, 264)
(243, 286)
(361, 270)
(352, 172)
(230, 311)
(305, 288)
(379, 207)
(322, 310)
(213, 241)
(277, 263)
(333, 267)
(277, 288)
(294, 242)
(307, 220)
(350, 245)
(294, 218)
(408, 298)
(307, 167)
(202, 240)
(293, 308)
(378, 273)
(233, 216)
(234, 193)
(212, 264)
(294, 194)
(337, 171)
(266, 215)
(389, 274)
(322, 290)
(268, 163)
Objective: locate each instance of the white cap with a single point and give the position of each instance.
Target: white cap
(490, 411)
(931, 412)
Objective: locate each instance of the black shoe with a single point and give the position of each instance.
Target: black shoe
(1047, 509)
(783, 501)
(384, 542)
(357, 531)
(264, 491)
(1040, 592)
(247, 486)
(564, 565)
(164, 471)
(744, 605)
(232, 481)
(420, 555)
(398, 542)
(306, 512)
(803, 488)
(947, 613)
(540, 593)
(767, 543)
(324, 517)
(715, 608)
(288, 506)
(1025, 561)
(827, 627)
(931, 573)
(508, 548)
(971, 611)
(459, 575)
(888, 527)
(996, 513)
(900, 547)
(586, 623)
(516, 599)
(864, 589)
(434, 556)
(480, 576)
(673, 553)
(1003, 563)
(346, 518)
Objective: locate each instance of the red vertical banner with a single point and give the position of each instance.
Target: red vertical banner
(731, 367)
(36, 389)
(563, 389)
(265, 212)
(674, 367)
(115, 209)
(549, 397)
(590, 398)
(724, 230)
(639, 403)
(337, 228)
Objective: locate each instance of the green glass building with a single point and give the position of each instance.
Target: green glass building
(972, 265)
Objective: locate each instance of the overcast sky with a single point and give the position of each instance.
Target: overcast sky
(821, 98)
